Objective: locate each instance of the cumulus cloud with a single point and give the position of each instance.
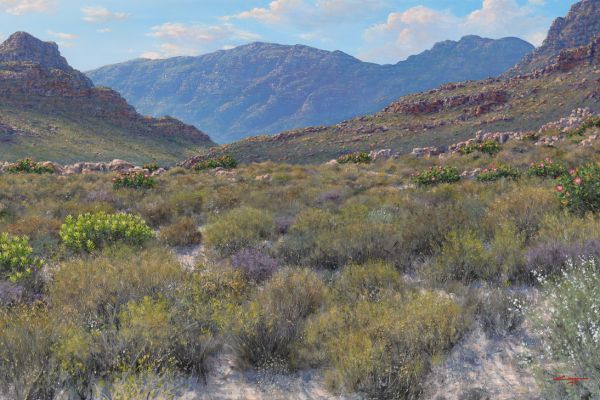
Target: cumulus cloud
(96, 15)
(62, 35)
(304, 13)
(104, 30)
(182, 39)
(418, 28)
(20, 7)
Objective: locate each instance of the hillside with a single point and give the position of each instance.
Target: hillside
(443, 116)
(50, 111)
(265, 88)
(578, 28)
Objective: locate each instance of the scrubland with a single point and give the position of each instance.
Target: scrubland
(353, 270)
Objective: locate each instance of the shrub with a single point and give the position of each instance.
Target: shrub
(16, 260)
(151, 167)
(354, 158)
(130, 385)
(569, 327)
(183, 232)
(134, 180)
(25, 358)
(579, 191)
(525, 207)
(226, 162)
(593, 122)
(257, 265)
(498, 172)
(88, 232)
(490, 147)
(435, 175)
(29, 166)
(382, 349)
(463, 257)
(368, 281)
(546, 169)
(499, 312)
(238, 229)
(267, 332)
(550, 258)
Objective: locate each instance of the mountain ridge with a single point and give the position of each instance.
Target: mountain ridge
(266, 88)
(52, 111)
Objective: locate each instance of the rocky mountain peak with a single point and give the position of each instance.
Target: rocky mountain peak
(23, 47)
(578, 28)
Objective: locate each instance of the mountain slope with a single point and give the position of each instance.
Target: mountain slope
(578, 28)
(266, 88)
(443, 116)
(50, 111)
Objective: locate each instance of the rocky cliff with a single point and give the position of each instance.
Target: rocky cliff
(37, 86)
(578, 28)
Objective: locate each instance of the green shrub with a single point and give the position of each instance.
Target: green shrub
(490, 147)
(151, 167)
(579, 191)
(182, 232)
(435, 175)
(569, 327)
(16, 260)
(368, 281)
(134, 180)
(29, 166)
(26, 370)
(463, 257)
(382, 349)
(88, 232)
(498, 172)
(238, 229)
(354, 158)
(593, 122)
(269, 329)
(546, 169)
(226, 162)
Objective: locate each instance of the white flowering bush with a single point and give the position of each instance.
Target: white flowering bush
(569, 327)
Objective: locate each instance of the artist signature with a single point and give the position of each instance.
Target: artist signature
(570, 380)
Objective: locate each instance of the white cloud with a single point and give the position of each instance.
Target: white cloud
(305, 13)
(181, 39)
(418, 28)
(20, 7)
(95, 15)
(62, 35)
(104, 30)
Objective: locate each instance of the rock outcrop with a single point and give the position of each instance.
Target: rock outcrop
(579, 28)
(34, 76)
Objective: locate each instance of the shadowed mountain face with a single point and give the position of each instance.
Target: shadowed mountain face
(49, 110)
(266, 88)
(578, 28)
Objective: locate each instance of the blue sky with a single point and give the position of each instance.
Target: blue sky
(95, 33)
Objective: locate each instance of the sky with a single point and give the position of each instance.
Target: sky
(93, 33)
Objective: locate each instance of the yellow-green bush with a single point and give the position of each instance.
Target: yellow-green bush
(382, 348)
(183, 232)
(238, 229)
(268, 330)
(463, 257)
(26, 370)
(88, 232)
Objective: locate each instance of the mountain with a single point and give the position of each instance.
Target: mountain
(266, 88)
(578, 28)
(443, 116)
(50, 111)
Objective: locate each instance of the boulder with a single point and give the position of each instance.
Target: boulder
(120, 166)
(383, 154)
